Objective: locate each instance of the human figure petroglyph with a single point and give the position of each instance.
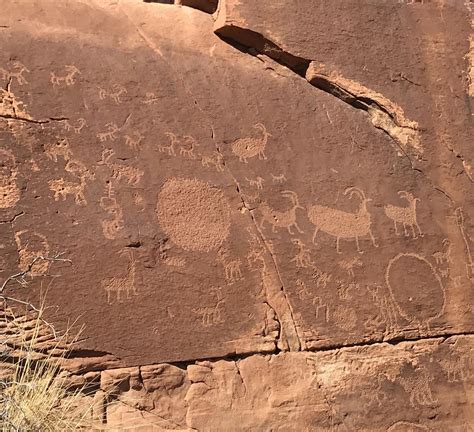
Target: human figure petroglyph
(115, 93)
(322, 278)
(387, 315)
(258, 182)
(59, 148)
(134, 140)
(250, 147)
(345, 288)
(62, 188)
(303, 257)
(111, 133)
(281, 219)
(31, 245)
(187, 149)
(215, 159)
(77, 128)
(459, 214)
(211, 315)
(16, 72)
(111, 227)
(341, 224)
(231, 266)
(119, 171)
(304, 294)
(350, 264)
(278, 179)
(9, 190)
(122, 285)
(405, 216)
(170, 148)
(445, 256)
(69, 79)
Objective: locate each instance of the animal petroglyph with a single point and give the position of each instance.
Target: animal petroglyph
(111, 134)
(78, 169)
(111, 227)
(15, 72)
(122, 285)
(250, 147)
(215, 159)
(31, 245)
(9, 190)
(69, 79)
(194, 214)
(427, 301)
(341, 224)
(119, 171)
(169, 148)
(279, 179)
(445, 256)
(58, 148)
(150, 98)
(167, 260)
(115, 93)
(211, 315)
(62, 188)
(303, 257)
(187, 149)
(77, 127)
(456, 366)
(459, 214)
(231, 266)
(134, 140)
(304, 294)
(281, 219)
(344, 289)
(405, 216)
(350, 264)
(258, 182)
(416, 383)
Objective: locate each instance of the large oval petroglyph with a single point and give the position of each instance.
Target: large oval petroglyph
(194, 214)
(416, 288)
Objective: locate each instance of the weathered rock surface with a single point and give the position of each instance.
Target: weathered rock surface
(267, 178)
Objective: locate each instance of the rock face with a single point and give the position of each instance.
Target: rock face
(242, 191)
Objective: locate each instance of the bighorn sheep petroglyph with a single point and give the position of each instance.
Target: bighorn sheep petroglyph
(189, 150)
(170, 147)
(250, 147)
(404, 215)
(281, 219)
(341, 224)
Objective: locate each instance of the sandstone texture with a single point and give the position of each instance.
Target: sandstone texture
(264, 210)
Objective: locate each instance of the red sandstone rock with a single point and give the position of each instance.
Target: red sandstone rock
(314, 194)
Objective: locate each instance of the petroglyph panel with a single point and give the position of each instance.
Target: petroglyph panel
(299, 223)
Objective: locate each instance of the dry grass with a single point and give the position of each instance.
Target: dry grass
(33, 397)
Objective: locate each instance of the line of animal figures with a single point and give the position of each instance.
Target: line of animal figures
(341, 224)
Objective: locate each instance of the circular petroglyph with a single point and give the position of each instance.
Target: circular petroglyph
(194, 214)
(415, 287)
